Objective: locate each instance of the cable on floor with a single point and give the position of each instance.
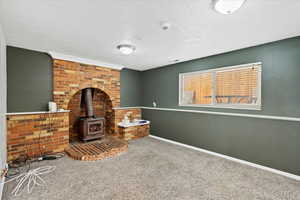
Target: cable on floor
(20, 171)
(30, 179)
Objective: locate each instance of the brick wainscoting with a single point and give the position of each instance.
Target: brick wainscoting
(37, 134)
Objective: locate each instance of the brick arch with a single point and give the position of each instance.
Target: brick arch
(102, 105)
(71, 77)
(75, 91)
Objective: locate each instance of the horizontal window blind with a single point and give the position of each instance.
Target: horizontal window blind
(198, 88)
(234, 87)
(238, 86)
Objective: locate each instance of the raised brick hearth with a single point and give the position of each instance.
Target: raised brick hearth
(97, 150)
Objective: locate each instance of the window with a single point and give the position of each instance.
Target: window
(237, 87)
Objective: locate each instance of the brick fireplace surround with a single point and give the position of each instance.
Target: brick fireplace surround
(69, 78)
(34, 134)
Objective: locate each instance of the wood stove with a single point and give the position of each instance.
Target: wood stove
(90, 127)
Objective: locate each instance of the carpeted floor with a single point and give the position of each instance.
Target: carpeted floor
(152, 170)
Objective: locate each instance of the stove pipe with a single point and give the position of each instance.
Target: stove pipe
(88, 100)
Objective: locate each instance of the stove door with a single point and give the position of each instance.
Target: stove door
(96, 127)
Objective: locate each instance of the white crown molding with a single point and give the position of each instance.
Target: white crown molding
(61, 56)
(275, 171)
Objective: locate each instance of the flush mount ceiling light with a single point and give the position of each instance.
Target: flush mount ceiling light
(165, 25)
(126, 49)
(227, 6)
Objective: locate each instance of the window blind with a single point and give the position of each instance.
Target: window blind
(228, 87)
(237, 86)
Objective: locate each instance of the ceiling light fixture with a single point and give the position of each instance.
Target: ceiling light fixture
(227, 6)
(126, 49)
(165, 25)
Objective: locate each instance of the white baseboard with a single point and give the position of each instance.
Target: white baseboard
(276, 171)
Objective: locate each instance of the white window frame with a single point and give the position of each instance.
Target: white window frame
(257, 106)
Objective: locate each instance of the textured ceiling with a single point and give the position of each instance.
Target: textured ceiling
(93, 28)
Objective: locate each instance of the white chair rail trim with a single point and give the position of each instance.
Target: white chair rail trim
(295, 119)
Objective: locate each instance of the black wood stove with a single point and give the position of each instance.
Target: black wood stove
(90, 127)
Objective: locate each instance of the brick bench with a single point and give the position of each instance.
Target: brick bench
(133, 130)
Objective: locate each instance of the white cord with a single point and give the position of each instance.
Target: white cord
(31, 178)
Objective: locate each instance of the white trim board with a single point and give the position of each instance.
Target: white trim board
(37, 112)
(295, 119)
(61, 56)
(125, 108)
(275, 171)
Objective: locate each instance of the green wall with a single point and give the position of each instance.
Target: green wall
(271, 143)
(29, 81)
(130, 88)
(280, 78)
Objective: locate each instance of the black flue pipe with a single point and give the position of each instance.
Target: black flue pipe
(88, 99)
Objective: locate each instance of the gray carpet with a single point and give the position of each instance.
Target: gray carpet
(152, 170)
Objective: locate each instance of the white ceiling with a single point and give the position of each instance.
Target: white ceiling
(92, 29)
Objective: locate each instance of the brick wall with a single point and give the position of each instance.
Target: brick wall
(71, 77)
(37, 134)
